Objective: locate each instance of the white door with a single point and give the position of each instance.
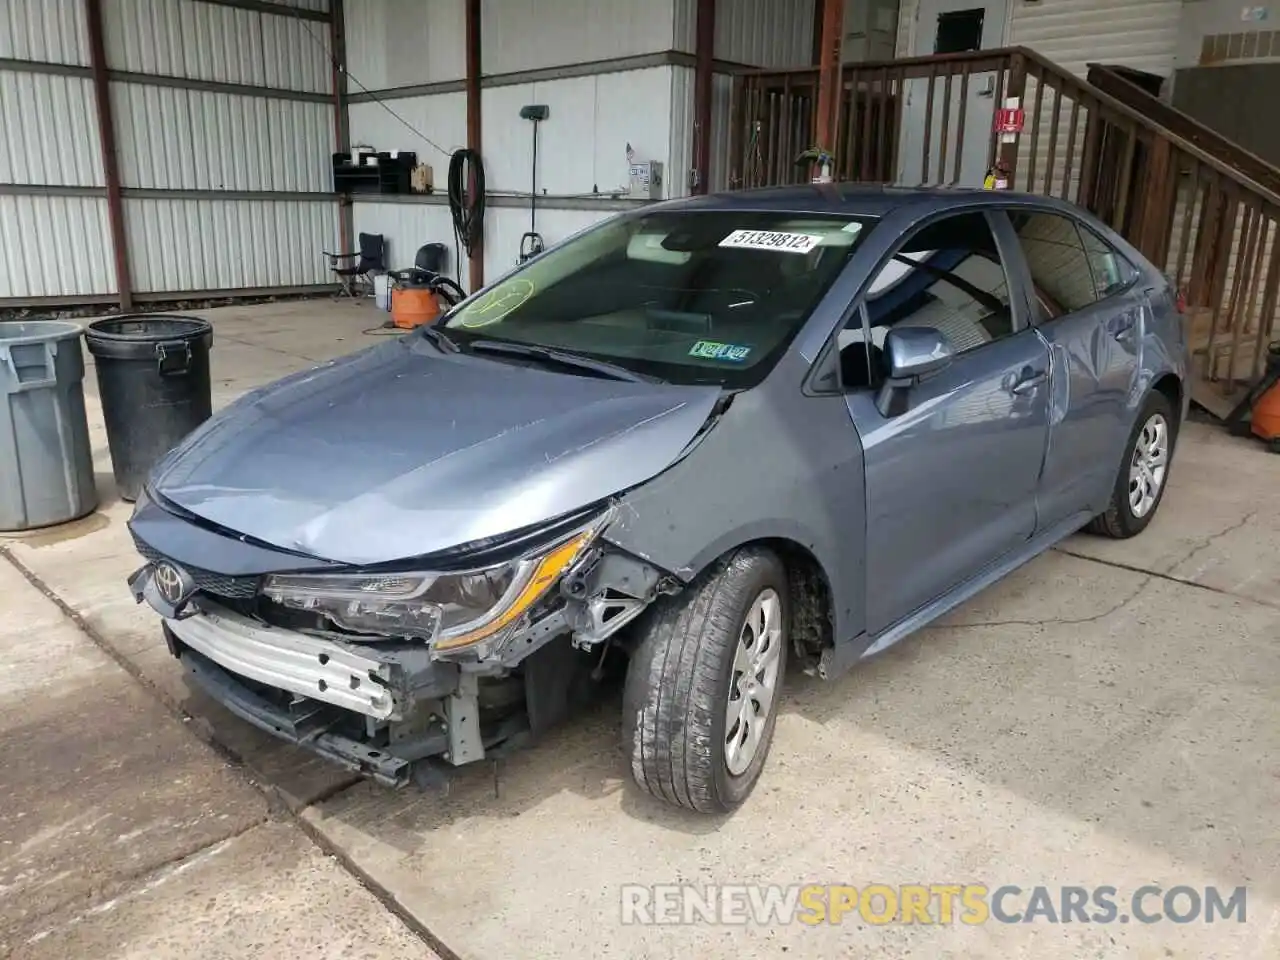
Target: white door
(951, 26)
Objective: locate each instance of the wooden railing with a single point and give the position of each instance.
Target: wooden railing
(1204, 214)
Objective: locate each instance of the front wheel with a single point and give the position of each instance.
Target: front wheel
(702, 687)
(1144, 472)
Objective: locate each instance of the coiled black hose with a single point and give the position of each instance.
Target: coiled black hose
(467, 207)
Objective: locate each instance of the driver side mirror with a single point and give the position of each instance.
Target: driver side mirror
(911, 354)
(916, 352)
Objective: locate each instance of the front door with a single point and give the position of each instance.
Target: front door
(951, 481)
(951, 26)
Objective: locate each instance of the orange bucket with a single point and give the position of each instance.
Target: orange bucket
(413, 306)
(1264, 419)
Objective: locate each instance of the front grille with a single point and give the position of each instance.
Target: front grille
(206, 581)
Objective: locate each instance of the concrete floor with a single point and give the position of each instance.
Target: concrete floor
(1106, 716)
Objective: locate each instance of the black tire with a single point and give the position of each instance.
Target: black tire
(678, 682)
(1118, 520)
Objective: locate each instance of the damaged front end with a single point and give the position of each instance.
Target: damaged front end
(397, 671)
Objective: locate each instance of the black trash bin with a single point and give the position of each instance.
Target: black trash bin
(153, 380)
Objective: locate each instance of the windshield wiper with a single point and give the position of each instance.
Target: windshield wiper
(560, 358)
(442, 341)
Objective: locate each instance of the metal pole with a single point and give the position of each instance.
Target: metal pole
(110, 164)
(704, 48)
(341, 124)
(829, 78)
(473, 129)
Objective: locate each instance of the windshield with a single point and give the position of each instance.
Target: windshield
(687, 296)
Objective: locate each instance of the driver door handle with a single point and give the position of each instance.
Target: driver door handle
(1028, 382)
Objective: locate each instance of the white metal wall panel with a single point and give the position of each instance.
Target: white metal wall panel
(399, 43)
(210, 41)
(440, 116)
(173, 139)
(48, 130)
(54, 247)
(406, 227)
(530, 34)
(582, 147)
(177, 245)
(680, 121)
(51, 31)
(504, 225)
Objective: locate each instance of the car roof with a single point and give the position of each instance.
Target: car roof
(861, 199)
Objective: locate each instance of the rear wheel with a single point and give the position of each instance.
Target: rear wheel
(1144, 472)
(703, 685)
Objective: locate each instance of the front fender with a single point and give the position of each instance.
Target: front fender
(778, 465)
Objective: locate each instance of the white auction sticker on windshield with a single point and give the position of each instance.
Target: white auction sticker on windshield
(771, 240)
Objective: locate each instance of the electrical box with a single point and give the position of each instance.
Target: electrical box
(646, 180)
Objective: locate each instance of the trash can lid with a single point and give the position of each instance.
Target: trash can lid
(17, 333)
(134, 336)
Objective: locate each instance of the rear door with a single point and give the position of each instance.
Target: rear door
(1087, 308)
(951, 481)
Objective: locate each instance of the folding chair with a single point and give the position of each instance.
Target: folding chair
(371, 259)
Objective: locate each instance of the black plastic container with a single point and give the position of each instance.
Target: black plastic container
(153, 380)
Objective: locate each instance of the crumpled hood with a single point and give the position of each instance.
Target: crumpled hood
(400, 451)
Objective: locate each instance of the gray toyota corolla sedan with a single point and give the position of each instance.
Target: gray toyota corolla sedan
(708, 441)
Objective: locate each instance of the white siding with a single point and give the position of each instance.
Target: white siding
(1073, 33)
(52, 31)
(529, 34)
(582, 146)
(48, 130)
(176, 139)
(1142, 34)
(399, 43)
(54, 247)
(213, 244)
(209, 41)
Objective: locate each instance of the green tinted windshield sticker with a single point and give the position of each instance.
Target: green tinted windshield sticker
(714, 350)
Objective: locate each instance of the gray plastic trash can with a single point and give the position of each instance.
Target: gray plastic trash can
(46, 462)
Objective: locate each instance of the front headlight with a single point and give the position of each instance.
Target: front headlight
(448, 610)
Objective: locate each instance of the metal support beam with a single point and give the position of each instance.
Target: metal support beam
(704, 51)
(476, 274)
(341, 122)
(110, 165)
(826, 123)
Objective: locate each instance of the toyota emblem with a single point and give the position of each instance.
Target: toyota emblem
(169, 583)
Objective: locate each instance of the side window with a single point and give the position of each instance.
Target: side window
(1111, 271)
(1060, 269)
(948, 276)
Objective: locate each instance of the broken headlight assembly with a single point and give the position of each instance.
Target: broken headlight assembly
(447, 610)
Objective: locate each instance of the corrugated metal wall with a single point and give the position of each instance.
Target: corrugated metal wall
(208, 244)
(529, 34)
(224, 158)
(50, 31)
(54, 244)
(761, 33)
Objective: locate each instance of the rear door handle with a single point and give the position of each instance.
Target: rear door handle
(1123, 326)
